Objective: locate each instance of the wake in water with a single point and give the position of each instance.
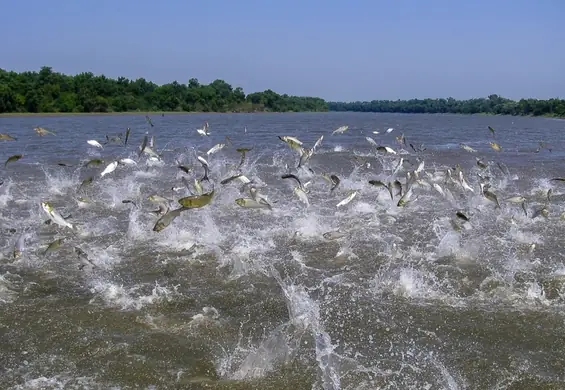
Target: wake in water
(385, 264)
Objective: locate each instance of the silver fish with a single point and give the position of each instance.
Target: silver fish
(340, 130)
(347, 200)
(252, 204)
(206, 168)
(110, 168)
(166, 219)
(334, 235)
(55, 216)
(491, 196)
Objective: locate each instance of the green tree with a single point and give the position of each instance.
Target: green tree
(50, 91)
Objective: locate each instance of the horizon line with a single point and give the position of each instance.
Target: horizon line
(290, 95)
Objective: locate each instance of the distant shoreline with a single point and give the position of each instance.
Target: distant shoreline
(159, 113)
(26, 114)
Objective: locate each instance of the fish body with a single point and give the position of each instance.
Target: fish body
(167, 218)
(125, 201)
(334, 235)
(405, 198)
(7, 137)
(151, 153)
(293, 142)
(335, 182)
(438, 188)
(13, 158)
(398, 166)
(41, 131)
(462, 216)
(317, 143)
(464, 183)
(83, 256)
(420, 167)
(94, 162)
(19, 246)
(55, 216)
(492, 131)
(93, 142)
(198, 187)
(128, 130)
(86, 181)
(143, 145)
(109, 169)
(162, 202)
(386, 149)
(53, 246)
(301, 194)
(204, 130)
(492, 197)
(206, 168)
(252, 204)
(467, 148)
(347, 200)
(495, 146)
(340, 130)
(184, 168)
(543, 211)
(305, 155)
(516, 199)
(196, 201)
(372, 142)
(215, 149)
(127, 161)
(295, 178)
(231, 178)
(481, 164)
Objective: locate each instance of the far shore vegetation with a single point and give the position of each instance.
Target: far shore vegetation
(51, 93)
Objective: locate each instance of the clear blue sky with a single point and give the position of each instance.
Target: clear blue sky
(338, 50)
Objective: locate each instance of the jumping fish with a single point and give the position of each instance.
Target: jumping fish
(41, 131)
(128, 130)
(55, 216)
(93, 142)
(206, 168)
(215, 149)
(109, 168)
(53, 246)
(495, 146)
(13, 158)
(252, 204)
(166, 219)
(467, 148)
(340, 130)
(196, 201)
(347, 200)
(7, 137)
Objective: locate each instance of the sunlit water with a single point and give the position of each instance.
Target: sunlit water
(234, 298)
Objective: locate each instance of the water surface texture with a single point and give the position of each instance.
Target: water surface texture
(410, 297)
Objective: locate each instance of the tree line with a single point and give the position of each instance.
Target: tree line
(48, 91)
(493, 104)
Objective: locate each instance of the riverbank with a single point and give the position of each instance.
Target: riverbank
(159, 113)
(54, 114)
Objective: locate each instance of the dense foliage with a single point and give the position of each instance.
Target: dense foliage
(494, 104)
(49, 91)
